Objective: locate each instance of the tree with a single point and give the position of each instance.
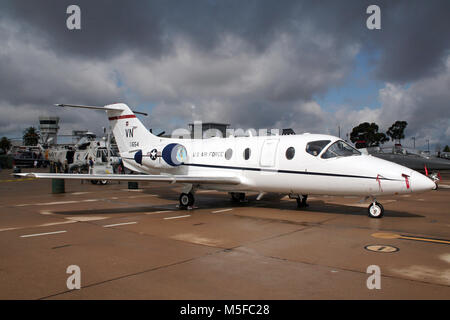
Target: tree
(5, 144)
(30, 136)
(446, 149)
(367, 134)
(396, 131)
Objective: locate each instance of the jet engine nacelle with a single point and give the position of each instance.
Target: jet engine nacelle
(164, 156)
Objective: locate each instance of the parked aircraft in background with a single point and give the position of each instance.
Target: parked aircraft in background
(410, 158)
(77, 157)
(296, 165)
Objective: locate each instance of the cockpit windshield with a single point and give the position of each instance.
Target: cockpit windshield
(315, 147)
(340, 149)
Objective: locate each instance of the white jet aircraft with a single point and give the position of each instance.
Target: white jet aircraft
(296, 165)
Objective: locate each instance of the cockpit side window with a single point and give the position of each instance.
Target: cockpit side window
(340, 149)
(315, 147)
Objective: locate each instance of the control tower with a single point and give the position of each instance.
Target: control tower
(48, 127)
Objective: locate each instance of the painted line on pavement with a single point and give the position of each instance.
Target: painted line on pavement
(119, 224)
(41, 234)
(224, 210)
(407, 237)
(177, 217)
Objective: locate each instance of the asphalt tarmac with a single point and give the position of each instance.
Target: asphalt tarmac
(136, 244)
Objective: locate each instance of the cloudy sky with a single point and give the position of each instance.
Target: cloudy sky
(309, 65)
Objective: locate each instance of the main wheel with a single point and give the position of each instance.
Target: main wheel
(375, 210)
(186, 200)
(237, 196)
(103, 182)
(301, 201)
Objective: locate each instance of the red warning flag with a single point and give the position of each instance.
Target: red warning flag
(406, 180)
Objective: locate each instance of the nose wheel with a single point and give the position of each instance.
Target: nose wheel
(375, 210)
(186, 200)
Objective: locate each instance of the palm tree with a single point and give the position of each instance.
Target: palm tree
(5, 144)
(30, 136)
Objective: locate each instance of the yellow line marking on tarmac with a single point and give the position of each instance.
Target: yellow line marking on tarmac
(426, 239)
(15, 180)
(405, 237)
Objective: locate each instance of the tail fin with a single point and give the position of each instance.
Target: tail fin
(128, 130)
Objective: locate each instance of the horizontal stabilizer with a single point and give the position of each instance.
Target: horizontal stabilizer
(136, 177)
(114, 107)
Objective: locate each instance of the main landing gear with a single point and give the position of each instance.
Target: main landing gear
(301, 201)
(375, 210)
(237, 196)
(186, 200)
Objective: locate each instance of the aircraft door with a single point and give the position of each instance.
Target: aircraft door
(268, 153)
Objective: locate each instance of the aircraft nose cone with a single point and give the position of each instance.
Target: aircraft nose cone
(419, 182)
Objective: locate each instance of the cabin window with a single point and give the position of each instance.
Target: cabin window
(315, 147)
(247, 154)
(290, 153)
(228, 154)
(340, 149)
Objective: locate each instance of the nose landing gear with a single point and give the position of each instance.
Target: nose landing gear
(375, 210)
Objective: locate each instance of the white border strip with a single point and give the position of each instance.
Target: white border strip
(41, 234)
(224, 210)
(177, 217)
(119, 224)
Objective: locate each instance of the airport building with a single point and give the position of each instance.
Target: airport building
(200, 130)
(48, 127)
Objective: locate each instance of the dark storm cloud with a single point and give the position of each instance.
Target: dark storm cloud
(413, 42)
(108, 27)
(251, 62)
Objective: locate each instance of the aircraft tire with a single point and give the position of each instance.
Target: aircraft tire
(186, 200)
(94, 181)
(237, 196)
(301, 203)
(375, 210)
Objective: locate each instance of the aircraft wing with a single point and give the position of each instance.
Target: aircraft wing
(136, 177)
